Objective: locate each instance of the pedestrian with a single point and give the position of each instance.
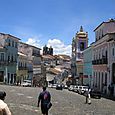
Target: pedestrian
(88, 97)
(4, 110)
(45, 99)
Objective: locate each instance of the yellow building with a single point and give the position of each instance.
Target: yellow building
(22, 71)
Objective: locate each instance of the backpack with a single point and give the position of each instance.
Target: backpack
(45, 96)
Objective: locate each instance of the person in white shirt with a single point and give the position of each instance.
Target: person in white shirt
(4, 110)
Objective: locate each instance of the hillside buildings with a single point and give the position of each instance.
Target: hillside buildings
(20, 61)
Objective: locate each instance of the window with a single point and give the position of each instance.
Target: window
(16, 58)
(12, 58)
(16, 44)
(2, 57)
(8, 58)
(12, 43)
(105, 78)
(102, 53)
(96, 36)
(9, 43)
(106, 54)
(82, 46)
(99, 55)
(102, 33)
(113, 51)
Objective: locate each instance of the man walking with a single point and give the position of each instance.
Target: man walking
(44, 98)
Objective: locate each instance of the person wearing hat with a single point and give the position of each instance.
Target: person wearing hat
(45, 99)
(4, 110)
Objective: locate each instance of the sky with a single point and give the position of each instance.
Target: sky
(53, 22)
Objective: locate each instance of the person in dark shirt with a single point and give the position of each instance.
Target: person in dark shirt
(44, 98)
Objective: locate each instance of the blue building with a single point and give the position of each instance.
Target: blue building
(8, 58)
(87, 67)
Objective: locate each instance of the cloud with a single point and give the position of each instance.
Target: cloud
(59, 47)
(34, 42)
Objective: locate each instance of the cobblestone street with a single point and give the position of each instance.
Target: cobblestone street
(23, 101)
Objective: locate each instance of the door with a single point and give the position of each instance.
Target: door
(1, 76)
(113, 73)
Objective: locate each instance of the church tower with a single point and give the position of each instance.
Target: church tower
(81, 43)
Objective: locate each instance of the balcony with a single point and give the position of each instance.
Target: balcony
(3, 62)
(100, 61)
(6, 62)
(22, 68)
(105, 60)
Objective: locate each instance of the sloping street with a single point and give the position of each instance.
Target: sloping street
(23, 101)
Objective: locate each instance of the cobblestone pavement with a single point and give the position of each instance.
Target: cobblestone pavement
(23, 101)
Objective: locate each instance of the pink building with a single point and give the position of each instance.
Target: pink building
(103, 59)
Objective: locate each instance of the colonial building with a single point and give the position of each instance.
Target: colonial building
(8, 58)
(33, 59)
(22, 70)
(79, 44)
(103, 56)
(49, 60)
(111, 57)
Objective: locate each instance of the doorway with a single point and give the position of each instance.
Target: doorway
(1, 76)
(113, 73)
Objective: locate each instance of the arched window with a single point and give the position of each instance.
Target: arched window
(12, 58)
(82, 46)
(106, 54)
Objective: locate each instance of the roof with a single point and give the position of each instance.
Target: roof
(30, 45)
(111, 20)
(47, 56)
(21, 54)
(11, 36)
(54, 70)
(62, 56)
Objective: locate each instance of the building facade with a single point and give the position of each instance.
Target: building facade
(22, 70)
(87, 66)
(102, 52)
(8, 58)
(33, 58)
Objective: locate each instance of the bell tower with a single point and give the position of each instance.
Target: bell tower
(81, 43)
